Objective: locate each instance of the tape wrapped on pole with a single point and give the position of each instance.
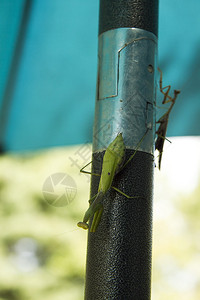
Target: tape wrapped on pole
(119, 252)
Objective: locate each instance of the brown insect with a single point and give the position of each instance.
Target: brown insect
(163, 121)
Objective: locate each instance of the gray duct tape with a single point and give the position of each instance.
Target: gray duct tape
(125, 99)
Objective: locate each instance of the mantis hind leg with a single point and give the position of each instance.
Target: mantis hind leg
(137, 147)
(87, 172)
(122, 193)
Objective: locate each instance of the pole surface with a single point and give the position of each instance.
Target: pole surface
(119, 252)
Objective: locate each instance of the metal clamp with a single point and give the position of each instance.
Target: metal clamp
(125, 98)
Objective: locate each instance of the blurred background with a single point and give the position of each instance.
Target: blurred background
(48, 58)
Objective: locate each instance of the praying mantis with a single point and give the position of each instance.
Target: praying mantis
(113, 163)
(163, 121)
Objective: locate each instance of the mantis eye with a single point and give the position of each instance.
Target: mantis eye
(108, 173)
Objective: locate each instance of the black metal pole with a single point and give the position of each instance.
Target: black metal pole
(119, 252)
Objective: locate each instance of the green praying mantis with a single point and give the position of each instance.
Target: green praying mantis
(113, 163)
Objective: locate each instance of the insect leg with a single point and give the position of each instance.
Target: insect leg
(86, 172)
(89, 214)
(168, 87)
(127, 196)
(96, 219)
(91, 199)
(84, 224)
(138, 145)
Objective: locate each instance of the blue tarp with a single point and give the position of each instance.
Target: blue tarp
(49, 65)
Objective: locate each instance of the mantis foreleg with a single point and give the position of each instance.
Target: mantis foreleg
(95, 205)
(96, 219)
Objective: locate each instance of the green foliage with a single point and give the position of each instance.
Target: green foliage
(176, 243)
(43, 253)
